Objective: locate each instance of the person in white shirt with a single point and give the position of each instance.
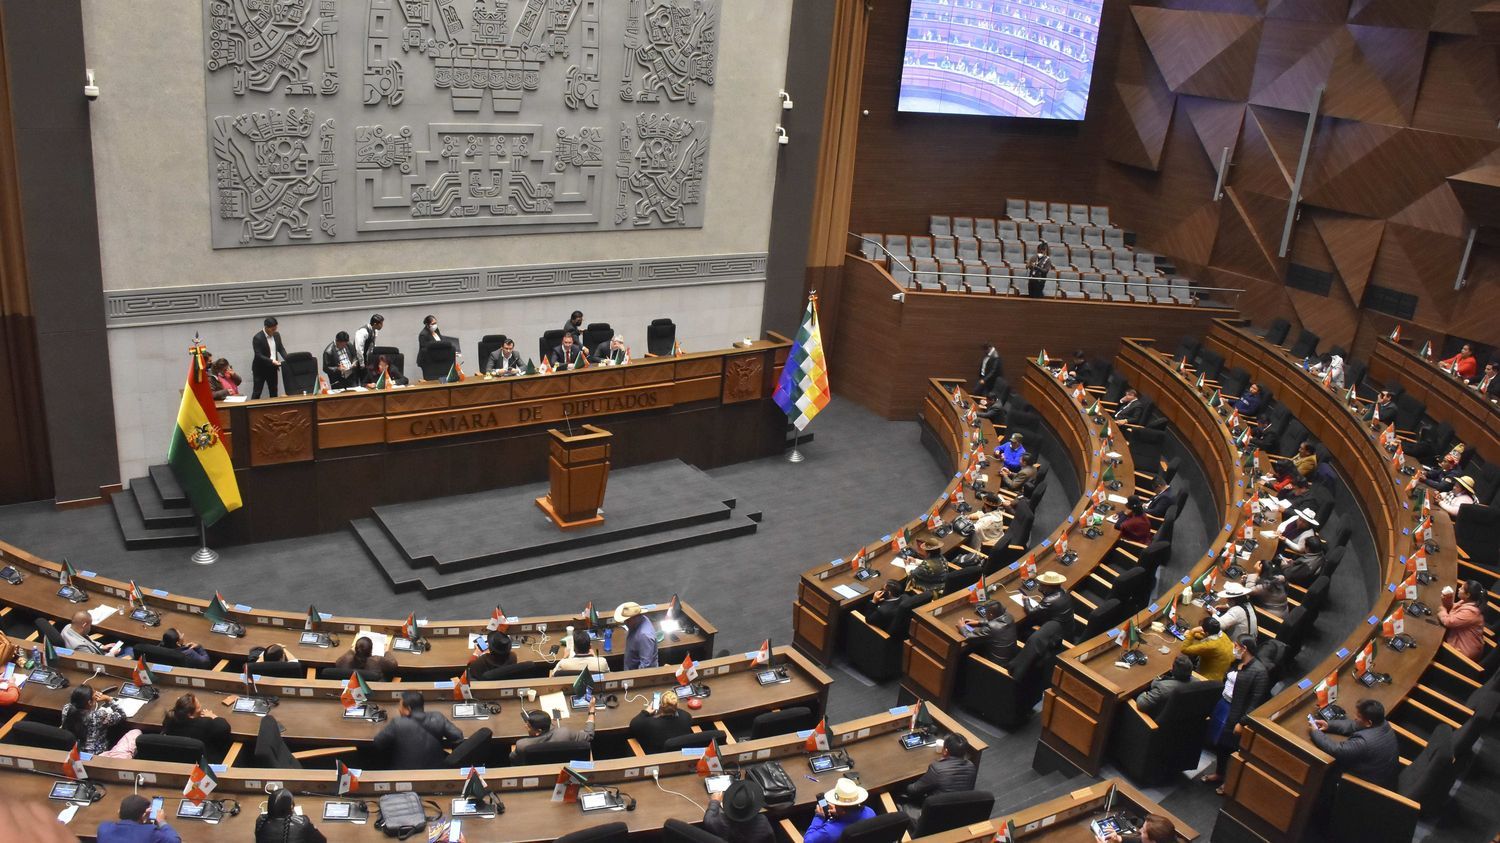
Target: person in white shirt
(1236, 617)
(1462, 493)
(1294, 532)
(364, 345)
(583, 657)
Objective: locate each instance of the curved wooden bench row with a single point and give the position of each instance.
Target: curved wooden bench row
(1065, 819)
(1475, 417)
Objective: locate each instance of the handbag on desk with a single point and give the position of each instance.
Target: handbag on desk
(778, 787)
(404, 814)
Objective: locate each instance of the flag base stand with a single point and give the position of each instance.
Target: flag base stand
(204, 555)
(795, 455)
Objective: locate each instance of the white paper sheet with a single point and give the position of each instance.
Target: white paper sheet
(99, 613)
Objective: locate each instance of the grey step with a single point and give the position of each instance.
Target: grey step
(385, 554)
(167, 487)
(154, 510)
(137, 535)
(1047, 788)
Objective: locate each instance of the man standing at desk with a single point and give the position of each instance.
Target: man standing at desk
(574, 323)
(269, 352)
(339, 363)
(640, 636)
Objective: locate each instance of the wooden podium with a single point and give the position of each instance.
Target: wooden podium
(578, 467)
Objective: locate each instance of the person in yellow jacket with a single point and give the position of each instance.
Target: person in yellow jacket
(1213, 650)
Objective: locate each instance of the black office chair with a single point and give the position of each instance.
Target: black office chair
(489, 344)
(518, 670)
(1154, 750)
(299, 373)
(342, 674)
(1428, 778)
(1209, 363)
(882, 828)
(1109, 614)
(1234, 382)
(1409, 412)
(554, 752)
(1005, 695)
(787, 720)
(871, 650)
(549, 340)
(1133, 588)
(270, 750)
(947, 811)
(693, 739)
(1363, 812)
(437, 360)
(28, 733)
(607, 833)
(1277, 331)
(49, 632)
(280, 670)
(1305, 346)
(596, 333)
(470, 752)
(175, 748)
(677, 831)
(661, 335)
(157, 654)
(1187, 348)
(1477, 531)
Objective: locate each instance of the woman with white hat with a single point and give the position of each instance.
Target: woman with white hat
(1233, 610)
(840, 808)
(1295, 531)
(1462, 493)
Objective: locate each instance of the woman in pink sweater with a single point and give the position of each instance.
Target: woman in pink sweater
(1464, 619)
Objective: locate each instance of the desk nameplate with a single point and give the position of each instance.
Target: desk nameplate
(552, 409)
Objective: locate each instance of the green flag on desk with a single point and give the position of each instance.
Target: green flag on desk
(530, 367)
(1109, 473)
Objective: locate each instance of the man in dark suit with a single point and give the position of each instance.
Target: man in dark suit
(952, 772)
(989, 369)
(1151, 700)
(995, 631)
(416, 740)
(269, 352)
(1056, 604)
(1161, 501)
(569, 355)
(504, 360)
(1384, 408)
(1369, 749)
(611, 352)
(1132, 409)
(1489, 382)
(339, 362)
(574, 323)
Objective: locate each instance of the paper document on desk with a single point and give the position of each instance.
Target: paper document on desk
(908, 567)
(1118, 499)
(1279, 504)
(1021, 601)
(236, 399)
(101, 612)
(130, 706)
(847, 592)
(1268, 534)
(1113, 455)
(379, 642)
(555, 704)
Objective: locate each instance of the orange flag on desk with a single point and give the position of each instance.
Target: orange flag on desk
(709, 764)
(818, 740)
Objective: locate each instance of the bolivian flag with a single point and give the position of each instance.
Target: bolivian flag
(803, 388)
(197, 452)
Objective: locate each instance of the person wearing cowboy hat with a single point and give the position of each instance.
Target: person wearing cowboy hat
(1056, 604)
(845, 806)
(640, 636)
(734, 814)
(1233, 610)
(1295, 531)
(1462, 493)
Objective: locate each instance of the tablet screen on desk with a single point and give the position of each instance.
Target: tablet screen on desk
(188, 809)
(222, 628)
(465, 710)
(820, 763)
(246, 705)
(313, 638)
(593, 801)
(718, 784)
(64, 790)
(337, 810)
(353, 712)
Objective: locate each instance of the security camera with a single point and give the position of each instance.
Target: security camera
(898, 297)
(786, 101)
(781, 136)
(90, 90)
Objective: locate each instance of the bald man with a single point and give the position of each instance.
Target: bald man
(76, 636)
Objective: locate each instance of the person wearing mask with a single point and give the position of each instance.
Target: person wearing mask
(1294, 532)
(1383, 411)
(653, 728)
(1369, 748)
(1015, 481)
(76, 637)
(416, 740)
(735, 814)
(1056, 604)
(989, 369)
(1236, 616)
(1268, 587)
(223, 381)
(361, 657)
(339, 363)
(540, 730)
(995, 632)
(842, 807)
(1131, 409)
(1462, 494)
(1213, 650)
(1151, 700)
(1249, 404)
(188, 719)
(429, 335)
(1037, 270)
(135, 825)
(1464, 619)
(1133, 524)
(1463, 364)
(89, 716)
(384, 369)
(1011, 453)
(1154, 829)
(283, 823)
(498, 656)
(574, 323)
(952, 772)
(1161, 499)
(1247, 685)
(612, 352)
(568, 355)
(640, 636)
(504, 360)
(583, 658)
(269, 350)
(1305, 461)
(365, 340)
(193, 654)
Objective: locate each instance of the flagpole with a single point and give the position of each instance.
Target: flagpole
(795, 455)
(204, 555)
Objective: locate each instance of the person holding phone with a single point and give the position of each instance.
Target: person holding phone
(837, 810)
(139, 822)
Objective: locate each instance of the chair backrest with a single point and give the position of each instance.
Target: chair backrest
(1015, 208)
(282, 670)
(956, 809)
(175, 748)
(596, 333)
(1409, 411)
(1276, 333)
(944, 248)
(1082, 259)
(963, 226)
(990, 251)
(470, 751)
(157, 654)
(773, 723)
(1052, 232)
(1028, 232)
(660, 335)
(939, 225)
(1114, 238)
(1105, 616)
(870, 245)
(1099, 215)
(1093, 286)
(1306, 344)
(881, 828)
(270, 748)
(1078, 214)
(31, 733)
(1058, 211)
(437, 360)
(1006, 230)
(487, 346)
(1015, 252)
(1145, 262)
(1072, 235)
(897, 244)
(921, 246)
(49, 631)
(1036, 211)
(299, 373)
(1093, 236)
(693, 739)
(554, 752)
(548, 341)
(607, 833)
(343, 673)
(1189, 705)
(968, 248)
(984, 228)
(677, 831)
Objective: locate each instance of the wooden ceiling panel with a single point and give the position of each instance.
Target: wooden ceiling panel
(1295, 58)
(1331, 317)
(1407, 14)
(1478, 191)
(1375, 75)
(1191, 239)
(1455, 17)
(1458, 94)
(1437, 211)
(1352, 242)
(1233, 7)
(1202, 53)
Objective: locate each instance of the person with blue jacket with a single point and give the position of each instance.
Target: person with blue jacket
(134, 826)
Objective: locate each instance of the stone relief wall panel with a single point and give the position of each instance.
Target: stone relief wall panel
(470, 117)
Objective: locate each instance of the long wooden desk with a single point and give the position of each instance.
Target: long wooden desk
(308, 464)
(530, 815)
(1274, 783)
(1066, 819)
(312, 715)
(1088, 690)
(450, 649)
(937, 646)
(1475, 417)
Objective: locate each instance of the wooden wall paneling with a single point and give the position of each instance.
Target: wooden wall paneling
(1375, 74)
(1325, 11)
(1296, 56)
(1203, 53)
(1352, 243)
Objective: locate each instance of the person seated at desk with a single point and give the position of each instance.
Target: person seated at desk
(1154, 829)
(1305, 461)
(76, 637)
(540, 730)
(504, 360)
(416, 740)
(134, 825)
(995, 631)
(735, 814)
(1151, 700)
(1251, 402)
(991, 409)
(891, 607)
(653, 728)
(1464, 619)
(568, 355)
(497, 659)
(283, 823)
(339, 363)
(89, 716)
(1016, 480)
(1332, 366)
(845, 806)
(1268, 586)
(1213, 650)
(1369, 748)
(583, 658)
(1305, 567)
(1236, 617)
(1489, 383)
(362, 657)
(1383, 411)
(1162, 497)
(1298, 492)
(1056, 604)
(612, 353)
(1011, 453)
(952, 772)
(574, 323)
(1294, 532)
(188, 719)
(1133, 524)
(1462, 494)
(384, 368)
(1444, 476)
(271, 653)
(1131, 409)
(193, 654)
(223, 381)
(640, 636)
(1463, 364)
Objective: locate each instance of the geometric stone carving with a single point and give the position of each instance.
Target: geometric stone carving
(664, 174)
(671, 44)
(268, 169)
(267, 44)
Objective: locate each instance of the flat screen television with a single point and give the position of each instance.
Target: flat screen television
(1000, 58)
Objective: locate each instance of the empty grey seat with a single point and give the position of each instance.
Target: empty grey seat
(919, 246)
(1049, 287)
(1036, 211)
(1160, 292)
(871, 246)
(1071, 287)
(974, 276)
(1029, 232)
(1104, 259)
(1006, 230)
(1124, 262)
(1072, 235)
(1057, 212)
(926, 271)
(952, 276)
(989, 251)
(1114, 238)
(939, 226)
(1182, 292)
(1135, 288)
(902, 272)
(1093, 286)
(1015, 209)
(1052, 233)
(1114, 286)
(896, 244)
(1145, 262)
(1099, 215)
(984, 228)
(1081, 259)
(968, 248)
(963, 226)
(943, 248)
(1015, 252)
(1094, 236)
(1078, 214)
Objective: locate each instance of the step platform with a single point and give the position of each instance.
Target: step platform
(153, 512)
(458, 543)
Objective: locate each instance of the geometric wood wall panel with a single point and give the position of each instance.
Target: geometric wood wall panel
(1295, 58)
(1327, 11)
(1355, 165)
(1458, 93)
(1240, 247)
(1210, 55)
(1352, 242)
(1217, 124)
(366, 120)
(1455, 17)
(1411, 14)
(1266, 161)
(1375, 75)
(1478, 191)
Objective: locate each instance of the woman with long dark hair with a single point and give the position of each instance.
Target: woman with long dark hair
(282, 824)
(90, 716)
(188, 719)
